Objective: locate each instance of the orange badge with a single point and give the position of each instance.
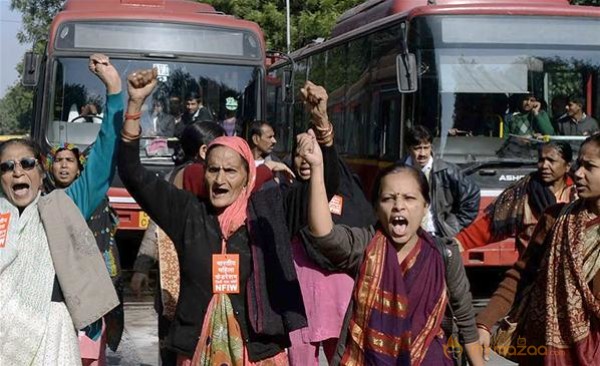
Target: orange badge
(226, 273)
(336, 205)
(4, 220)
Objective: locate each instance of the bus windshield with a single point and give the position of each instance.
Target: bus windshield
(480, 77)
(228, 92)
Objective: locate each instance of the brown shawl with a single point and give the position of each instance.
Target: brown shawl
(562, 316)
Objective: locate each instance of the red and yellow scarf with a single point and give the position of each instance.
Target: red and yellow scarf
(392, 322)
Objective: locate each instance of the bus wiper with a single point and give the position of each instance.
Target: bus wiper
(509, 162)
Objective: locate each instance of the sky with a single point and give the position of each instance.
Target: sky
(11, 52)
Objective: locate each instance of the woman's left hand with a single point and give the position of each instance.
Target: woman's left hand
(308, 148)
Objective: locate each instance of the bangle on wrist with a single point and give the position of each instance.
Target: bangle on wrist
(325, 136)
(129, 137)
(484, 327)
(321, 123)
(133, 116)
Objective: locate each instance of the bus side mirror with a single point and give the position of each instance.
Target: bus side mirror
(406, 72)
(287, 86)
(31, 69)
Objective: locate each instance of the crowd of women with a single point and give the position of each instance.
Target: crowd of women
(254, 273)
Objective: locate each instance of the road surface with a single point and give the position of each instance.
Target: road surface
(140, 340)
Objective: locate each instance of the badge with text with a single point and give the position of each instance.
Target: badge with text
(336, 205)
(4, 220)
(226, 273)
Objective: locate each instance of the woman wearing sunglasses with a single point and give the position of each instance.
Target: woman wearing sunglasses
(53, 277)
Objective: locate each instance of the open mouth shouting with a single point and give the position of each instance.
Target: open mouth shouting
(398, 225)
(304, 170)
(20, 190)
(219, 192)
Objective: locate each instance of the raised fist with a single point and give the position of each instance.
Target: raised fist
(100, 66)
(315, 98)
(140, 84)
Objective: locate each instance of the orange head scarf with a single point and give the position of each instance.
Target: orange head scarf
(234, 215)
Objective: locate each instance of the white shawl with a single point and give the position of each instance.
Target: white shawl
(26, 278)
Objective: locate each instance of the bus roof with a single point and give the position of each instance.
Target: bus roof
(374, 14)
(373, 10)
(179, 11)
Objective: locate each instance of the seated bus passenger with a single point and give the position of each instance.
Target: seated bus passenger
(90, 112)
(530, 119)
(576, 122)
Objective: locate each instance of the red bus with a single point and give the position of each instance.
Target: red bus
(194, 48)
(454, 66)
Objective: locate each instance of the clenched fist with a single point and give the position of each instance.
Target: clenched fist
(100, 66)
(140, 85)
(315, 98)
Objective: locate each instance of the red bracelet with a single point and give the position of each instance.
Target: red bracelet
(133, 116)
(484, 327)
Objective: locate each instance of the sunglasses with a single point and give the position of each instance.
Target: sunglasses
(25, 164)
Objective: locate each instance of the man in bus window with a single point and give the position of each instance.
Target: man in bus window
(90, 112)
(195, 110)
(576, 122)
(262, 141)
(530, 119)
(454, 196)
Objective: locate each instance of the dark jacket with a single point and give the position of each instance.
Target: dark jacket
(195, 231)
(343, 250)
(569, 127)
(454, 196)
(203, 114)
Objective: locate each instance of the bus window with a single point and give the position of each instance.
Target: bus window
(79, 97)
(300, 119)
(335, 84)
(357, 97)
(317, 69)
(385, 45)
(477, 90)
(390, 117)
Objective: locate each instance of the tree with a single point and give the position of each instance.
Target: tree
(15, 110)
(310, 19)
(17, 105)
(36, 16)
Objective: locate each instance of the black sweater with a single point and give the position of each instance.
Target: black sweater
(195, 231)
